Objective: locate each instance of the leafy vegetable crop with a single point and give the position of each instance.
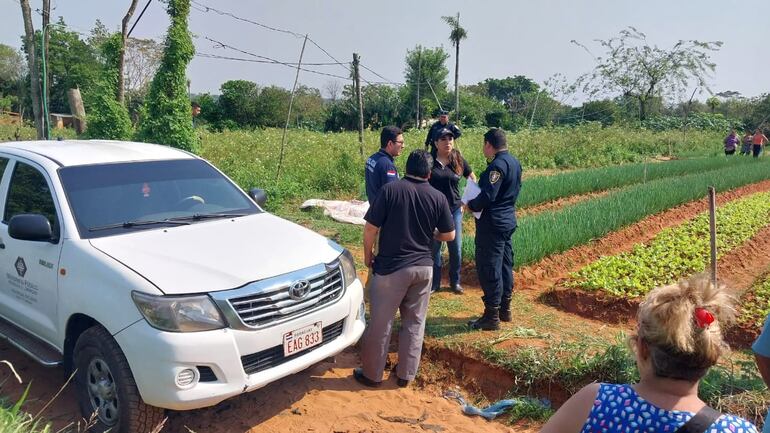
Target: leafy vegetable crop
(675, 252)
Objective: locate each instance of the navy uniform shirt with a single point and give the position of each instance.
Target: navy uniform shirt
(407, 212)
(500, 184)
(380, 170)
(436, 127)
(446, 180)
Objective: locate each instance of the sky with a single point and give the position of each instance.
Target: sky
(505, 37)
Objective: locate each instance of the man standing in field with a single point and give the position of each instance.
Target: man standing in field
(758, 141)
(380, 167)
(499, 184)
(443, 122)
(407, 215)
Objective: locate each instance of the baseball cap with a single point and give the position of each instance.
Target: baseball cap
(444, 131)
(443, 113)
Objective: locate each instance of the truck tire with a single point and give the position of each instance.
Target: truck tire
(105, 387)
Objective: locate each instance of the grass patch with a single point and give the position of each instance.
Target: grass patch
(530, 409)
(676, 252)
(755, 304)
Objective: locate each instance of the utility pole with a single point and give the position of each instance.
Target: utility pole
(532, 117)
(291, 102)
(419, 80)
(357, 82)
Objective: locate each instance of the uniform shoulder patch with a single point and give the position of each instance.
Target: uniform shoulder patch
(494, 176)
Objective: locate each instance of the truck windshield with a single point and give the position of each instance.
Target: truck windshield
(109, 199)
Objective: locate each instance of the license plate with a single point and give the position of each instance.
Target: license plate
(302, 339)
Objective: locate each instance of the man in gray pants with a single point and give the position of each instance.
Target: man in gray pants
(407, 214)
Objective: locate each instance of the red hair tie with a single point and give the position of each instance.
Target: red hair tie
(703, 317)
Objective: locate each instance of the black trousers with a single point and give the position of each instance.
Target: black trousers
(494, 264)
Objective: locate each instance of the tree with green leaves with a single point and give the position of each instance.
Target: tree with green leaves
(166, 117)
(456, 35)
(107, 117)
(12, 72)
(32, 65)
(425, 69)
(633, 68)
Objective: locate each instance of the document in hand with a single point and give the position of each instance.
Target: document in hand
(471, 191)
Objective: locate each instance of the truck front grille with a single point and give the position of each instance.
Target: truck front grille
(276, 304)
(273, 356)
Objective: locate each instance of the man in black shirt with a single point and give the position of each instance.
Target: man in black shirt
(408, 215)
(443, 122)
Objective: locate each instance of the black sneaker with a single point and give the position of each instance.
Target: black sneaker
(456, 288)
(403, 383)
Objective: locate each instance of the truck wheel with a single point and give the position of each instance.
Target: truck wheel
(106, 389)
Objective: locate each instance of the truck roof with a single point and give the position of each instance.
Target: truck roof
(85, 152)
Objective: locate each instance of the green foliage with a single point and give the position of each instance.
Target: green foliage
(166, 118)
(251, 157)
(543, 189)
(702, 121)
(530, 409)
(425, 65)
(755, 305)
(570, 366)
(14, 420)
(552, 232)
(675, 253)
(107, 118)
(71, 63)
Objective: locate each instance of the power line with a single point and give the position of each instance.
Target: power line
(267, 60)
(231, 15)
(138, 18)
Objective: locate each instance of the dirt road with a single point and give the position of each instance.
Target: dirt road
(323, 399)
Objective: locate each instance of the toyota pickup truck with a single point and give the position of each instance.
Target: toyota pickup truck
(159, 282)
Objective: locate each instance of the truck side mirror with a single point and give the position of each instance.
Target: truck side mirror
(30, 227)
(258, 195)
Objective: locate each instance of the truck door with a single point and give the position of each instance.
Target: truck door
(29, 279)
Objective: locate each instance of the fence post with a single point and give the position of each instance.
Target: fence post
(713, 233)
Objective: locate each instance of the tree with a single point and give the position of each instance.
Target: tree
(29, 44)
(124, 42)
(456, 35)
(333, 89)
(635, 69)
(426, 69)
(12, 71)
(167, 118)
(510, 90)
(713, 102)
(238, 102)
(107, 118)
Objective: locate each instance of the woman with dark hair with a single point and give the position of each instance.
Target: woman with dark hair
(449, 167)
(679, 337)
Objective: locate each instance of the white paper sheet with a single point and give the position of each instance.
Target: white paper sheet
(471, 191)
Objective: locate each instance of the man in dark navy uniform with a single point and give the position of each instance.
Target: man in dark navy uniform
(443, 122)
(380, 168)
(499, 184)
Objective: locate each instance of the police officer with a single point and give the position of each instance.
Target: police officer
(380, 168)
(443, 122)
(499, 184)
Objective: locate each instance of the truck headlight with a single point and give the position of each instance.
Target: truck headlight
(348, 267)
(179, 313)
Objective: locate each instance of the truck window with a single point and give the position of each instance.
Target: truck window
(29, 193)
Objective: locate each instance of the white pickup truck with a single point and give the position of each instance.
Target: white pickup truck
(156, 279)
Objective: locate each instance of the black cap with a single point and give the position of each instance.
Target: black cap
(443, 113)
(444, 131)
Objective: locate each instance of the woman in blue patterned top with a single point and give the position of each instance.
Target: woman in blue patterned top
(678, 339)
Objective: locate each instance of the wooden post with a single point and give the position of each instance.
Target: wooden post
(532, 117)
(77, 110)
(357, 80)
(419, 80)
(288, 116)
(713, 233)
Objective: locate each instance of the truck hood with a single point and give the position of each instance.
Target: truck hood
(216, 255)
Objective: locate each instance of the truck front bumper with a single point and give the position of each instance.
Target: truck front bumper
(158, 357)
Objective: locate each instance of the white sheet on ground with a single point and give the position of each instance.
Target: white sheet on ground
(351, 212)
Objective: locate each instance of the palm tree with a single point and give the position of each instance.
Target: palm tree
(458, 33)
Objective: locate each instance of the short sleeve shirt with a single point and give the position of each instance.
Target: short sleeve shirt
(380, 170)
(446, 180)
(407, 213)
